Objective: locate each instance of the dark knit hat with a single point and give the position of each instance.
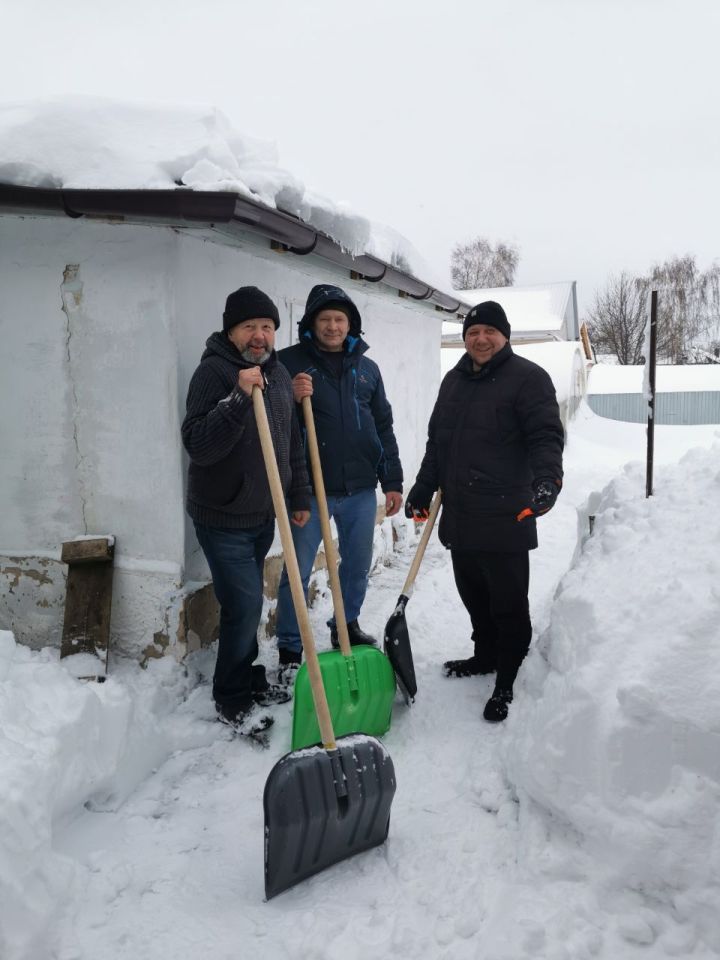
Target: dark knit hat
(248, 303)
(490, 314)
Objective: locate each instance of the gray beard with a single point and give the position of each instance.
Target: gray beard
(248, 356)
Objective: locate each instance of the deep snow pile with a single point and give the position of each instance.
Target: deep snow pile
(65, 744)
(81, 142)
(616, 731)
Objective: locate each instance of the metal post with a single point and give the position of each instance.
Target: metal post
(651, 402)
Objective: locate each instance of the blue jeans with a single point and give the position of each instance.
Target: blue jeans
(236, 559)
(354, 516)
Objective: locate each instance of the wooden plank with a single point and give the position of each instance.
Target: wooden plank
(88, 603)
(88, 551)
(585, 337)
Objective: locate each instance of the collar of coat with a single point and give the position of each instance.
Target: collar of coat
(219, 345)
(352, 346)
(465, 363)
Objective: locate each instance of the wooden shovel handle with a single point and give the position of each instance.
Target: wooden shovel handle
(293, 571)
(420, 552)
(330, 552)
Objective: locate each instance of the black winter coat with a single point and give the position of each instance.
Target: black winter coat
(491, 433)
(353, 418)
(227, 481)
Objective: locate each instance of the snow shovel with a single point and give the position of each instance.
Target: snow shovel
(332, 801)
(359, 681)
(397, 639)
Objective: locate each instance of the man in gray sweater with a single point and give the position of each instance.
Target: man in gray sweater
(228, 495)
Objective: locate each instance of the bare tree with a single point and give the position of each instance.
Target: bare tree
(479, 264)
(616, 320)
(688, 308)
(688, 313)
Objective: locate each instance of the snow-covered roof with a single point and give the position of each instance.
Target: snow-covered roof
(529, 309)
(88, 143)
(615, 378)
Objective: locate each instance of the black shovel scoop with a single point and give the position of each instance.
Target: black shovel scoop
(327, 802)
(397, 640)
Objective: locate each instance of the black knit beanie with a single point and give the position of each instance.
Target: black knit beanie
(248, 303)
(490, 314)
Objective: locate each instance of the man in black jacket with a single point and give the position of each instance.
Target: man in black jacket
(358, 449)
(495, 443)
(228, 494)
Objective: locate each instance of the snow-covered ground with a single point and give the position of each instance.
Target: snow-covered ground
(585, 826)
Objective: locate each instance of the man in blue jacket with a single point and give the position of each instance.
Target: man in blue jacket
(358, 449)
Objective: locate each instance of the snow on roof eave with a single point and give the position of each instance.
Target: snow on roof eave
(225, 213)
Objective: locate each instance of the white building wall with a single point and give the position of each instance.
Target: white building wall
(102, 326)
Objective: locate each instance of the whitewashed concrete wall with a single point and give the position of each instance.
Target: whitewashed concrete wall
(102, 326)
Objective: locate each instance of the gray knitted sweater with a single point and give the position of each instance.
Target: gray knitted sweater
(227, 482)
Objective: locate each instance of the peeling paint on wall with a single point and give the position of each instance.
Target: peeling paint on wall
(14, 573)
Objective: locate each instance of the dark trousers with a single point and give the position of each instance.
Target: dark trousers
(494, 589)
(236, 559)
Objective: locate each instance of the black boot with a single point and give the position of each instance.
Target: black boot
(290, 661)
(250, 722)
(472, 667)
(266, 693)
(496, 709)
(357, 636)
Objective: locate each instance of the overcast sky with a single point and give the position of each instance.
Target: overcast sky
(585, 131)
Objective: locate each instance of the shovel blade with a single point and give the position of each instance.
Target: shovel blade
(399, 652)
(323, 806)
(360, 692)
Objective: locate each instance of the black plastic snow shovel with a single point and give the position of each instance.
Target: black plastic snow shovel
(359, 681)
(325, 803)
(397, 639)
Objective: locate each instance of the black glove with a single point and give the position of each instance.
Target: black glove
(545, 493)
(417, 502)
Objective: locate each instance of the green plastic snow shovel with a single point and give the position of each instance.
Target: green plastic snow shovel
(329, 803)
(359, 681)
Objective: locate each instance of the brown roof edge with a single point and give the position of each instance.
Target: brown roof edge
(227, 213)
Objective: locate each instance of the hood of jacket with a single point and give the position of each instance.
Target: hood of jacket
(318, 298)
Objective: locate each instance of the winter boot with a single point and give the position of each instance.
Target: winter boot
(290, 661)
(357, 636)
(472, 667)
(251, 723)
(496, 709)
(275, 693)
(266, 693)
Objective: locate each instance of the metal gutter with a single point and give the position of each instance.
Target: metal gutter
(225, 213)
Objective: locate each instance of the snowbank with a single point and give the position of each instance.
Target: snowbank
(65, 743)
(565, 363)
(96, 143)
(616, 739)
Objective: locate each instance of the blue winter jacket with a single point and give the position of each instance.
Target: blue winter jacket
(353, 417)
